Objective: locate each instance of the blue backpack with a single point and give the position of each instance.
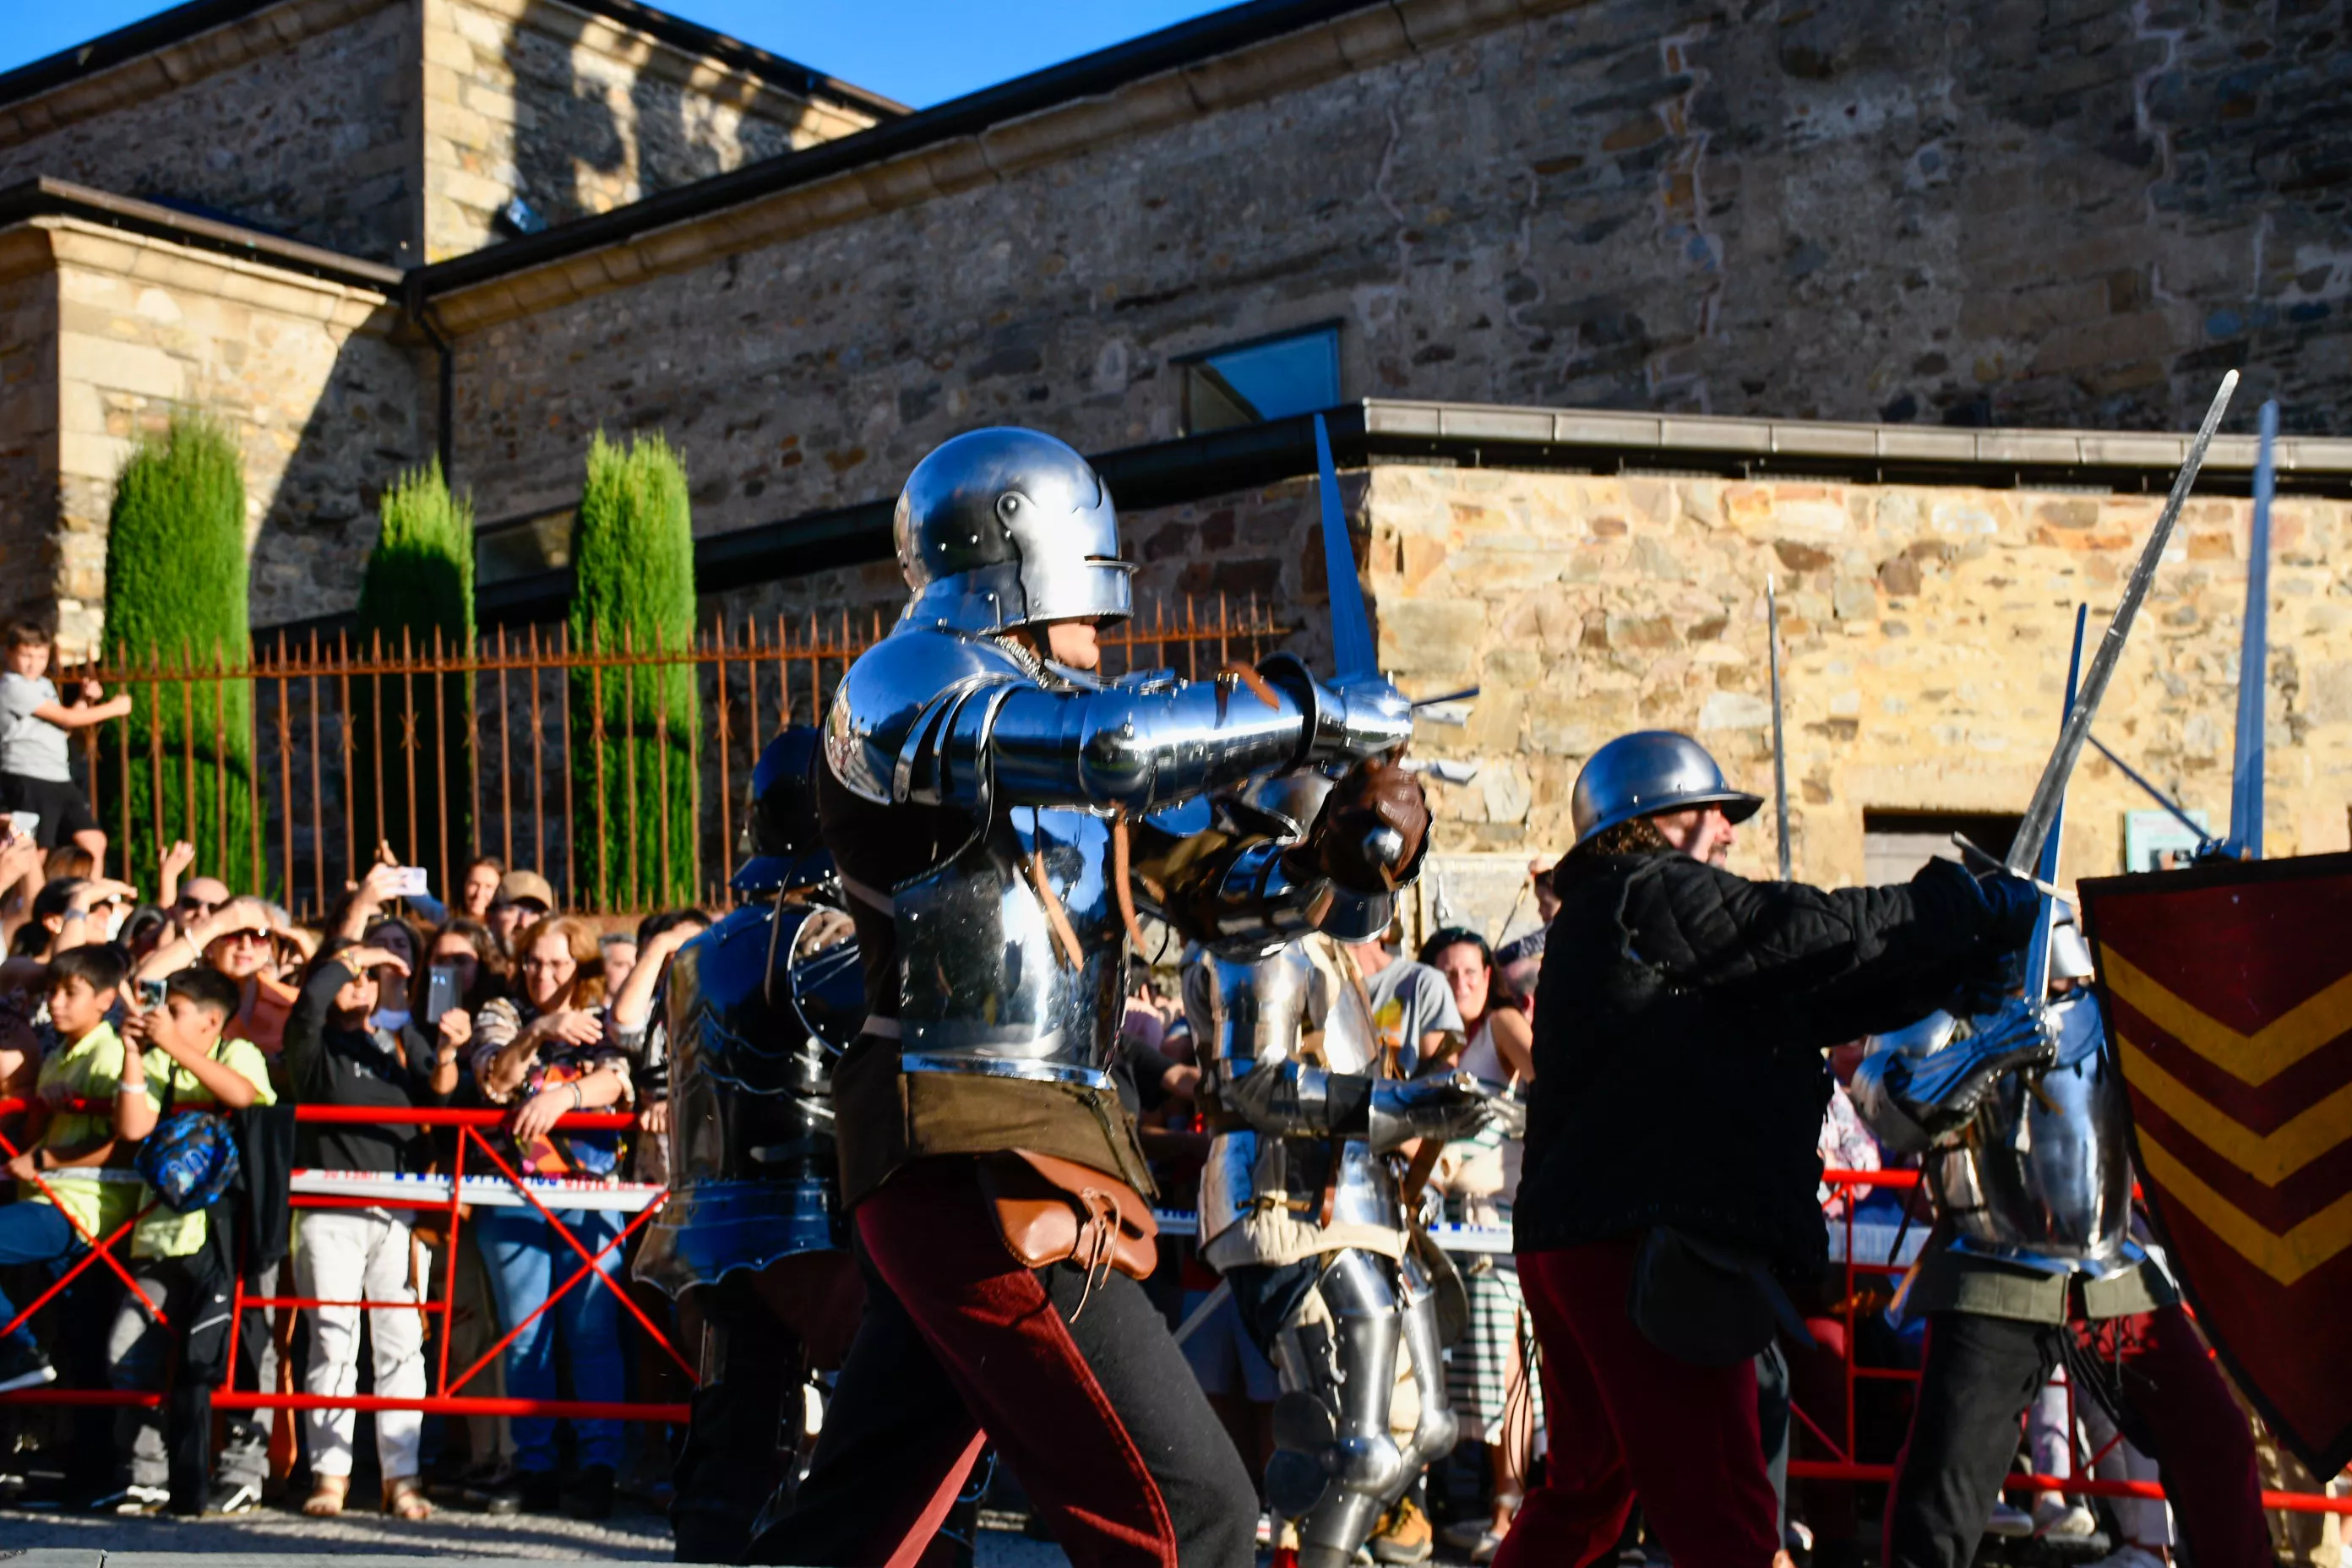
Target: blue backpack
(190, 1159)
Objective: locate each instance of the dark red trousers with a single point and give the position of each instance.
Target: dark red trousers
(1627, 1420)
(1094, 1408)
(1979, 1375)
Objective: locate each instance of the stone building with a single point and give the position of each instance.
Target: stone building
(1861, 276)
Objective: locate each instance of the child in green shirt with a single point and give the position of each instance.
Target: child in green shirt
(62, 1204)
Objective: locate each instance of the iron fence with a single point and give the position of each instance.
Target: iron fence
(324, 710)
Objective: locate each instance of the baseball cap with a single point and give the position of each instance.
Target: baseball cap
(526, 886)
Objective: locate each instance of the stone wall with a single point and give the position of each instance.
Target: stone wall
(578, 114)
(28, 422)
(298, 120)
(1925, 634)
(326, 407)
(1929, 210)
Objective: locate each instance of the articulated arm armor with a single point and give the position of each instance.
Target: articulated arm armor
(1289, 1098)
(942, 717)
(1920, 1085)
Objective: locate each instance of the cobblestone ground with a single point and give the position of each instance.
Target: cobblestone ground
(274, 1538)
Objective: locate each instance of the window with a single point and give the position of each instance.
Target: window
(1270, 378)
(1895, 844)
(521, 546)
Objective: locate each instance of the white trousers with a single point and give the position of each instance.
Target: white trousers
(352, 1255)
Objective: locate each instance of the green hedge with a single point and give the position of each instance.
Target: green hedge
(176, 594)
(419, 580)
(636, 731)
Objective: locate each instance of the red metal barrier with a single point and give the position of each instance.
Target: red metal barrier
(445, 1399)
(1846, 1466)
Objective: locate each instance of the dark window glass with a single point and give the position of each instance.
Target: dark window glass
(1273, 378)
(519, 547)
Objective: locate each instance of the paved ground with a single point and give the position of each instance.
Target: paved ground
(270, 1537)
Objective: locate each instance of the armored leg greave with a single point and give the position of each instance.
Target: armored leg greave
(1434, 1428)
(1336, 1466)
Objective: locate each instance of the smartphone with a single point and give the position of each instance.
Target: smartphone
(440, 991)
(24, 824)
(151, 995)
(408, 882)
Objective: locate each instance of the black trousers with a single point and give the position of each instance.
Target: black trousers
(1115, 1444)
(738, 1447)
(1978, 1376)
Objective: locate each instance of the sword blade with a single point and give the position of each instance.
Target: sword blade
(2042, 811)
(1352, 624)
(2254, 658)
(2037, 951)
(1780, 752)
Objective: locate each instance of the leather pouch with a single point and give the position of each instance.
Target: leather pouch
(1705, 1302)
(1051, 1210)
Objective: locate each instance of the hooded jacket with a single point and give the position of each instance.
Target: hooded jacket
(1681, 1018)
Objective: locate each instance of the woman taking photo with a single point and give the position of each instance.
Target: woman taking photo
(545, 1051)
(1492, 1382)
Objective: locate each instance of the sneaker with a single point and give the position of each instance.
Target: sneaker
(593, 1497)
(129, 1499)
(2058, 1516)
(233, 1497)
(2009, 1522)
(24, 1366)
(1404, 1535)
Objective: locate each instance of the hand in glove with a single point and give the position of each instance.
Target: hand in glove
(1944, 1091)
(1451, 1107)
(1370, 831)
(2012, 901)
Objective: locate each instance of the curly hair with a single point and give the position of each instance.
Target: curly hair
(587, 986)
(1635, 836)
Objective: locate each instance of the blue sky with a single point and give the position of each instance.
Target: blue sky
(918, 51)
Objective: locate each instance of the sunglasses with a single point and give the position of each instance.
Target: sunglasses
(257, 938)
(200, 906)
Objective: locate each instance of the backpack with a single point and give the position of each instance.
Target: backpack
(190, 1159)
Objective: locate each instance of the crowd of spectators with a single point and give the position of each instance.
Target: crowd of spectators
(122, 1013)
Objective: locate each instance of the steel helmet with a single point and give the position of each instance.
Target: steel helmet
(2070, 955)
(1648, 772)
(1005, 527)
(781, 840)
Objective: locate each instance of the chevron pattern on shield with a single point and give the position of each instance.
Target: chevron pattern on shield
(2227, 994)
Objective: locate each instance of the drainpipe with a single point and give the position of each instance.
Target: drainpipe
(422, 314)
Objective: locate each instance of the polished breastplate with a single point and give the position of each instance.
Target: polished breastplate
(1261, 1022)
(2046, 1185)
(998, 978)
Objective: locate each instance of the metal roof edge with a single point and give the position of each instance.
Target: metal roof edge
(44, 198)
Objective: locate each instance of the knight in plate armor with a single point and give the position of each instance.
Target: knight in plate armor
(990, 801)
(1300, 1209)
(2033, 1265)
(749, 1239)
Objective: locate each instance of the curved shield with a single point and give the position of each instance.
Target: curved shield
(2228, 989)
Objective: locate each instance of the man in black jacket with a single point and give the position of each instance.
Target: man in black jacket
(1680, 1024)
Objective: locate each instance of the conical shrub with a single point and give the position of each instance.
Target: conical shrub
(177, 600)
(636, 727)
(410, 767)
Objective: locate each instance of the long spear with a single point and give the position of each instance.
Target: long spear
(1779, 750)
(2245, 842)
